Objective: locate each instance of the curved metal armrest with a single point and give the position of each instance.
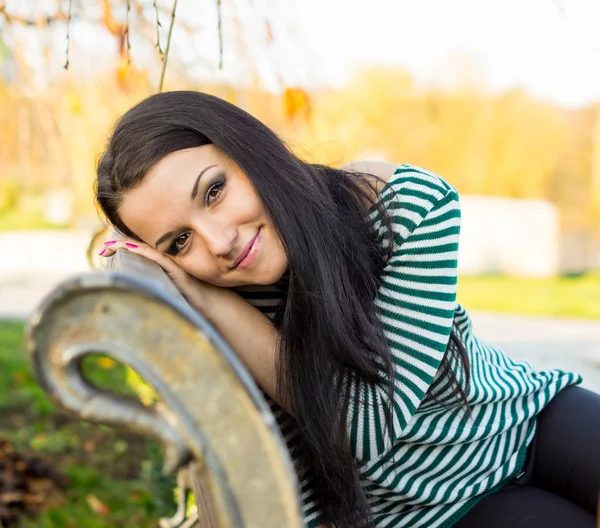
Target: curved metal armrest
(211, 412)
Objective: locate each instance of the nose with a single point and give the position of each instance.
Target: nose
(220, 240)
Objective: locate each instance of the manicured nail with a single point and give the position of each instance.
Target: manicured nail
(102, 252)
(130, 245)
(110, 242)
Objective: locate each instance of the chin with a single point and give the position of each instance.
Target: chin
(268, 275)
(267, 279)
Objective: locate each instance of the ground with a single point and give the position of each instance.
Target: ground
(114, 479)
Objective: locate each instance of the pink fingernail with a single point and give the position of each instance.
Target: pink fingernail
(130, 245)
(102, 252)
(110, 242)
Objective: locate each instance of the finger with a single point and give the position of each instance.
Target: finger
(111, 246)
(109, 249)
(165, 262)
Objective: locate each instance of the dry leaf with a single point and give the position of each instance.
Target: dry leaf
(97, 505)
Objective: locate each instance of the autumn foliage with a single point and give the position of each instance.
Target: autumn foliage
(506, 144)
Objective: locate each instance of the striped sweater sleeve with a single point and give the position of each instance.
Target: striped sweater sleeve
(415, 302)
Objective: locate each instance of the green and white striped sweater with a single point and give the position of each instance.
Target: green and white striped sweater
(436, 462)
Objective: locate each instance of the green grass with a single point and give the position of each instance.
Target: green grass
(577, 297)
(122, 471)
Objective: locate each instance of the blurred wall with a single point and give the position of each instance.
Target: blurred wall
(498, 236)
(509, 236)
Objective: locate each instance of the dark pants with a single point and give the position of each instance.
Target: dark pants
(561, 484)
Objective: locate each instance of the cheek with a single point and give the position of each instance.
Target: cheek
(244, 210)
(199, 265)
(275, 243)
(246, 203)
(276, 254)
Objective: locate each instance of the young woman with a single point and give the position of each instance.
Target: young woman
(337, 289)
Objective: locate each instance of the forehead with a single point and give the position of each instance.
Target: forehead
(175, 168)
(160, 202)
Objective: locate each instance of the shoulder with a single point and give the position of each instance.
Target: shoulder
(412, 195)
(411, 181)
(396, 177)
(415, 191)
(381, 169)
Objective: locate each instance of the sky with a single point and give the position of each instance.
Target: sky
(549, 47)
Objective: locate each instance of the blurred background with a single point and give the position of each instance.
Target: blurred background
(501, 98)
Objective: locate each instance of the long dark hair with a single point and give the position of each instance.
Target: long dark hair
(329, 324)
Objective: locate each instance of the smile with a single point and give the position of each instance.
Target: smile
(252, 252)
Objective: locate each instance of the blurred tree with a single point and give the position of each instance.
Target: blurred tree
(55, 122)
(507, 144)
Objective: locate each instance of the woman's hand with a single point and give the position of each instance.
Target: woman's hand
(250, 333)
(195, 291)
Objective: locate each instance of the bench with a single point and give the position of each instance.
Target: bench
(217, 431)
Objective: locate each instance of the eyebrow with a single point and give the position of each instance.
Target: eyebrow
(195, 189)
(168, 235)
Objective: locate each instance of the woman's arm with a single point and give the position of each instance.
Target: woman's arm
(251, 334)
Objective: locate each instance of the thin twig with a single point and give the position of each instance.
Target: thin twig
(158, 25)
(220, 35)
(127, 31)
(162, 75)
(44, 21)
(38, 22)
(68, 30)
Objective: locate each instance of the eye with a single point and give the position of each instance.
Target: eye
(214, 191)
(178, 244)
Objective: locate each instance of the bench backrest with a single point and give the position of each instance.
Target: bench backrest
(211, 418)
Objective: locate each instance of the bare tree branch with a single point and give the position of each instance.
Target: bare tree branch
(68, 29)
(39, 22)
(162, 75)
(220, 34)
(147, 24)
(127, 31)
(45, 21)
(158, 25)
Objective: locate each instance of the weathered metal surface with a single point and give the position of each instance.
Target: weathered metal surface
(99, 236)
(211, 411)
(131, 264)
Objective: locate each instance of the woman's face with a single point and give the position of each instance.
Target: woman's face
(197, 206)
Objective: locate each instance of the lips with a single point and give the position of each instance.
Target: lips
(244, 252)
